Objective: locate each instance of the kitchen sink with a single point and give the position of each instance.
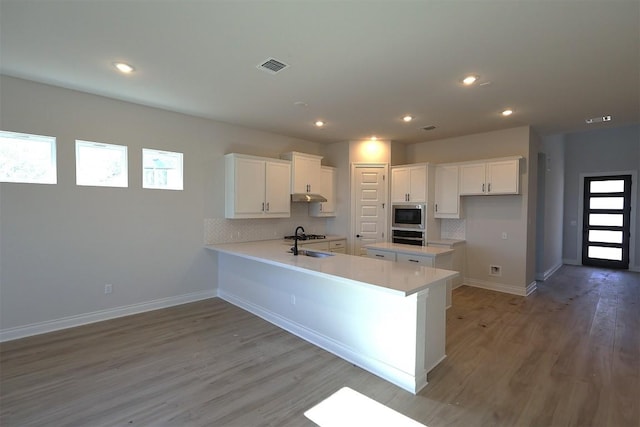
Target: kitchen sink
(314, 254)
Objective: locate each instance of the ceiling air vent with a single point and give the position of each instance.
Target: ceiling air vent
(272, 65)
(430, 127)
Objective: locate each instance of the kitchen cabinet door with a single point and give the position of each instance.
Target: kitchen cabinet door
(256, 187)
(490, 177)
(385, 255)
(400, 185)
(409, 184)
(503, 177)
(447, 197)
(338, 246)
(328, 190)
(472, 179)
(277, 198)
(305, 172)
(415, 259)
(249, 187)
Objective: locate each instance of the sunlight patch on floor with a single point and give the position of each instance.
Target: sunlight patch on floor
(347, 407)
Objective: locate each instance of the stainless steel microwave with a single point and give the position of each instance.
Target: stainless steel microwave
(408, 216)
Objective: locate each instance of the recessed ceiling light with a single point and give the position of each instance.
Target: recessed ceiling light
(407, 118)
(469, 80)
(507, 112)
(374, 138)
(123, 67)
(319, 123)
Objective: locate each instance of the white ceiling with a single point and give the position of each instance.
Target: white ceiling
(358, 65)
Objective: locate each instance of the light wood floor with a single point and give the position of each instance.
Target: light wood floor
(569, 355)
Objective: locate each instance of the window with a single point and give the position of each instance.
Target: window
(27, 158)
(161, 169)
(103, 165)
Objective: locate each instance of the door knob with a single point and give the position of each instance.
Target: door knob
(357, 235)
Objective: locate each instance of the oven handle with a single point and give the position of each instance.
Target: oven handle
(409, 238)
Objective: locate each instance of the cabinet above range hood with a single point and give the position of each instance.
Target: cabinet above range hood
(307, 198)
(306, 178)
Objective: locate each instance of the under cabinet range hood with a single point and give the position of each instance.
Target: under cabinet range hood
(307, 198)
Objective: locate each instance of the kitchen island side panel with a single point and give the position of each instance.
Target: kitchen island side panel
(395, 337)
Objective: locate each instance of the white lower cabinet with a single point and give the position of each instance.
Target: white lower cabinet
(386, 255)
(335, 246)
(415, 259)
(437, 260)
(338, 246)
(320, 246)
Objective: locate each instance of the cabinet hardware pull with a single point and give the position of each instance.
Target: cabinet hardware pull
(381, 256)
(262, 206)
(483, 188)
(267, 206)
(489, 188)
(436, 207)
(414, 260)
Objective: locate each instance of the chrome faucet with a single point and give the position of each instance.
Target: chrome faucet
(295, 239)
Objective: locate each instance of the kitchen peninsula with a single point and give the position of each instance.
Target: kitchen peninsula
(420, 255)
(386, 317)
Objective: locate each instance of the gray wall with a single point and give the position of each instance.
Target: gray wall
(486, 217)
(599, 151)
(60, 244)
(550, 206)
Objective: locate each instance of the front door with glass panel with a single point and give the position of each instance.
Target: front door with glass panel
(606, 221)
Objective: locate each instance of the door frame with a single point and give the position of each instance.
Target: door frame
(634, 191)
(352, 209)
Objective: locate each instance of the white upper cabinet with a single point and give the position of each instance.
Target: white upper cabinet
(472, 179)
(447, 196)
(409, 184)
(503, 177)
(328, 190)
(490, 177)
(305, 172)
(256, 187)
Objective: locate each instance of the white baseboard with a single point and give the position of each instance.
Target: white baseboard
(545, 275)
(98, 316)
(501, 287)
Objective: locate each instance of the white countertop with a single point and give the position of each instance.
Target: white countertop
(428, 251)
(395, 277)
(451, 242)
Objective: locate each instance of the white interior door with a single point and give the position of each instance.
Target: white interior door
(369, 205)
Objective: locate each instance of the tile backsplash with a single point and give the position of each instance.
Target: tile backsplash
(222, 230)
(453, 229)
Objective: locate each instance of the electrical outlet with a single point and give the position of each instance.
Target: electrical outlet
(293, 300)
(108, 288)
(504, 235)
(495, 270)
